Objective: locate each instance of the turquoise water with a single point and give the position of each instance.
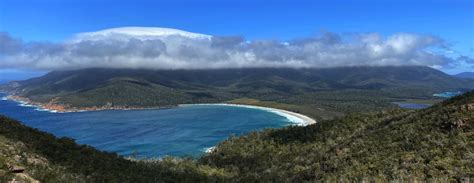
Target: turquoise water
(187, 130)
(447, 94)
(422, 106)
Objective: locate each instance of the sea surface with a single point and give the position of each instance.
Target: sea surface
(422, 106)
(448, 94)
(152, 133)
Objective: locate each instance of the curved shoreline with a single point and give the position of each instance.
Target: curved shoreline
(293, 117)
(58, 108)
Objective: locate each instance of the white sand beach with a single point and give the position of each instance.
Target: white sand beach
(298, 119)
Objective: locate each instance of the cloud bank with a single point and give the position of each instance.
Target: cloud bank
(161, 48)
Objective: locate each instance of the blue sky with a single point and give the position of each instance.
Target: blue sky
(56, 20)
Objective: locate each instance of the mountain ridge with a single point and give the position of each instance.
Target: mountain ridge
(468, 75)
(140, 88)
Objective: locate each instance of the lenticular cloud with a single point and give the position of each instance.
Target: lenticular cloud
(164, 48)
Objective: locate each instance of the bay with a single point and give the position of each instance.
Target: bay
(151, 133)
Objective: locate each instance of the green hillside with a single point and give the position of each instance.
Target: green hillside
(320, 93)
(468, 75)
(434, 144)
(62, 160)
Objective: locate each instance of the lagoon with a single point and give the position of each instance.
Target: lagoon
(448, 94)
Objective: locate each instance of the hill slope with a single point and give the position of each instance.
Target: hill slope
(468, 75)
(436, 143)
(50, 159)
(315, 88)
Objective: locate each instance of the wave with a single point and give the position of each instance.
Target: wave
(295, 118)
(46, 110)
(291, 118)
(36, 108)
(24, 104)
(208, 149)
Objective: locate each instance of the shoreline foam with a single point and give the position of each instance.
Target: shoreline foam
(296, 118)
(24, 102)
(292, 117)
(59, 108)
(209, 149)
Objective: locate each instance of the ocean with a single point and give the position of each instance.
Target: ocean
(151, 133)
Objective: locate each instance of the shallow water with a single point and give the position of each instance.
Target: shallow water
(447, 94)
(185, 130)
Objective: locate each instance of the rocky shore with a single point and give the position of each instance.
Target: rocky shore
(54, 106)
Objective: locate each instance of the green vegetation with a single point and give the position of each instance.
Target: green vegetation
(15, 153)
(77, 163)
(311, 110)
(320, 93)
(421, 101)
(467, 75)
(435, 144)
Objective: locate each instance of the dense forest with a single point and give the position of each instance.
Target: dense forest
(435, 144)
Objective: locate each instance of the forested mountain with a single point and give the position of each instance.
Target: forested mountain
(153, 88)
(433, 144)
(468, 75)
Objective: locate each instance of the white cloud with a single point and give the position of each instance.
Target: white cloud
(161, 48)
